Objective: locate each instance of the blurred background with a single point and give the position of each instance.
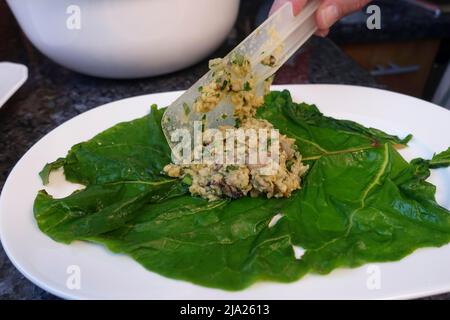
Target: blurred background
(137, 39)
(164, 45)
(410, 53)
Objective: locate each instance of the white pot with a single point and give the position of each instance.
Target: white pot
(125, 38)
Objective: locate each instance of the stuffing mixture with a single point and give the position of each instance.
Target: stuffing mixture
(215, 181)
(233, 78)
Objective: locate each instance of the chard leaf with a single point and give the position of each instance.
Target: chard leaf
(318, 135)
(371, 207)
(98, 208)
(121, 168)
(360, 202)
(441, 160)
(49, 167)
(220, 244)
(130, 151)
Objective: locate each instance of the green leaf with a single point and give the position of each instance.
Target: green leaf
(365, 207)
(49, 167)
(318, 135)
(121, 168)
(98, 208)
(360, 202)
(217, 244)
(441, 160)
(130, 151)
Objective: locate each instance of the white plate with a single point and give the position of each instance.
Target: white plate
(12, 76)
(107, 275)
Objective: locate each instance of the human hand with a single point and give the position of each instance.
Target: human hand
(328, 13)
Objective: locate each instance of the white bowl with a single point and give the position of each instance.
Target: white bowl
(126, 38)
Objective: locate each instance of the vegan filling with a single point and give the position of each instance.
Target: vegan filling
(232, 77)
(215, 181)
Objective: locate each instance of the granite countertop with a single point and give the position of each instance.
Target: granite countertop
(53, 95)
(400, 21)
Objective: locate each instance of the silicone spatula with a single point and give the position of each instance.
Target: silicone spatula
(282, 33)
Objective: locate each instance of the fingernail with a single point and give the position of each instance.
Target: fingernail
(329, 15)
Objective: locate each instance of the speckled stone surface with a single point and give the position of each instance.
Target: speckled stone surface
(53, 95)
(400, 21)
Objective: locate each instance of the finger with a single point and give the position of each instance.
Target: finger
(297, 5)
(331, 11)
(322, 33)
